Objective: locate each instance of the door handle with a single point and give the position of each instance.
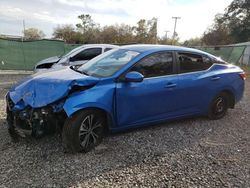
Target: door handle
(170, 85)
(214, 78)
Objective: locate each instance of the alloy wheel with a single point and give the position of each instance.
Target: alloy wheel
(89, 131)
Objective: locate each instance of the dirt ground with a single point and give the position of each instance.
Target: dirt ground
(194, 152)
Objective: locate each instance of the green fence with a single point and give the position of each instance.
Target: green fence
(18, 55)
(231, 54)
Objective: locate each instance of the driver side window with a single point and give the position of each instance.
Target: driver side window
(159, 64)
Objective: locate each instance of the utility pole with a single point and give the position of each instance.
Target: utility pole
(23, 29)
(166, 34)
(175, 23)
(24, 59)
(166, 37)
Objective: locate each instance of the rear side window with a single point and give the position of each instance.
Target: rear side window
(193, 62)
(87, 54)
(107, 49)
(155, 65)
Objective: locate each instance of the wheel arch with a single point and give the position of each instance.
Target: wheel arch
(108, 115)
(231, 97)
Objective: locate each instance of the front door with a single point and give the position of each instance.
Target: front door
(152, 99)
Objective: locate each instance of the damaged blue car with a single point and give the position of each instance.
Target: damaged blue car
(128, 87)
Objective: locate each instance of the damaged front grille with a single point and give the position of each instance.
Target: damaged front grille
(37, 121)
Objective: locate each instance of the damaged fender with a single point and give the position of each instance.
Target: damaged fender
(92, 98)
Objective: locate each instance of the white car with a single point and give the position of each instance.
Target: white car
(75, 57)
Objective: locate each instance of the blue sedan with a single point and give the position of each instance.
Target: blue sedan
(128, 87)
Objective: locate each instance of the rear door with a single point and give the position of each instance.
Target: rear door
(195, 82)
(154, 98)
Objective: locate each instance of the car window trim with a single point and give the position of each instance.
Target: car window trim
(156, 77)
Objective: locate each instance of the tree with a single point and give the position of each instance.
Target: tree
(237, 17)
(141, 31)
(165, 40)
(125, 33)
(231, 27)
(33, 34)
(169, 41)
(89, 29)
(193, 42)
(218, 33)
(67, 33)
(146, 31)
(175, 39)
(117, 34)
(152, 31)
(86, 23)
(109, 34)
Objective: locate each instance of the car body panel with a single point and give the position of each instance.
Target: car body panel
(154, 94)
(100, 96)
(132, 104)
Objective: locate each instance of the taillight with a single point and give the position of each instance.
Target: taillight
(243, 75)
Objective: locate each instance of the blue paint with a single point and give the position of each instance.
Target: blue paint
(45, 88)
(130, 104)
(134, 77)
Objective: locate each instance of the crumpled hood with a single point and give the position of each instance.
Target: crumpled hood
(45, 88)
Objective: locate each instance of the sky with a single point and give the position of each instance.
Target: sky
(196, 15)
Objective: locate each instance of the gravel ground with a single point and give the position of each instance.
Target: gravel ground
(188, 153)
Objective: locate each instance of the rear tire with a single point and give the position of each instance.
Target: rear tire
(219, 106)
(83, 131)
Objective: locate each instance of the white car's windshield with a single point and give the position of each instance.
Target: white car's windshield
(108, 63)
(71, 52)
(65, 58)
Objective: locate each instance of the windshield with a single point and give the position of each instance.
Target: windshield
(65, 58)
(108, 63)
(70, 52)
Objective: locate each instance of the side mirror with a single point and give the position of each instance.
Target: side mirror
(134, 77)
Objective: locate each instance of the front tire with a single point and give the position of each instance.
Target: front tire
(83, 131)
(219, 106)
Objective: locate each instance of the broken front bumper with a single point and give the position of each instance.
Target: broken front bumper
(29, 121)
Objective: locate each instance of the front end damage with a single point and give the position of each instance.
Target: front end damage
(35, 121)
(35, 105)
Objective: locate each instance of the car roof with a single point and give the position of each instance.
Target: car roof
(143, 48)
(98, 45)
